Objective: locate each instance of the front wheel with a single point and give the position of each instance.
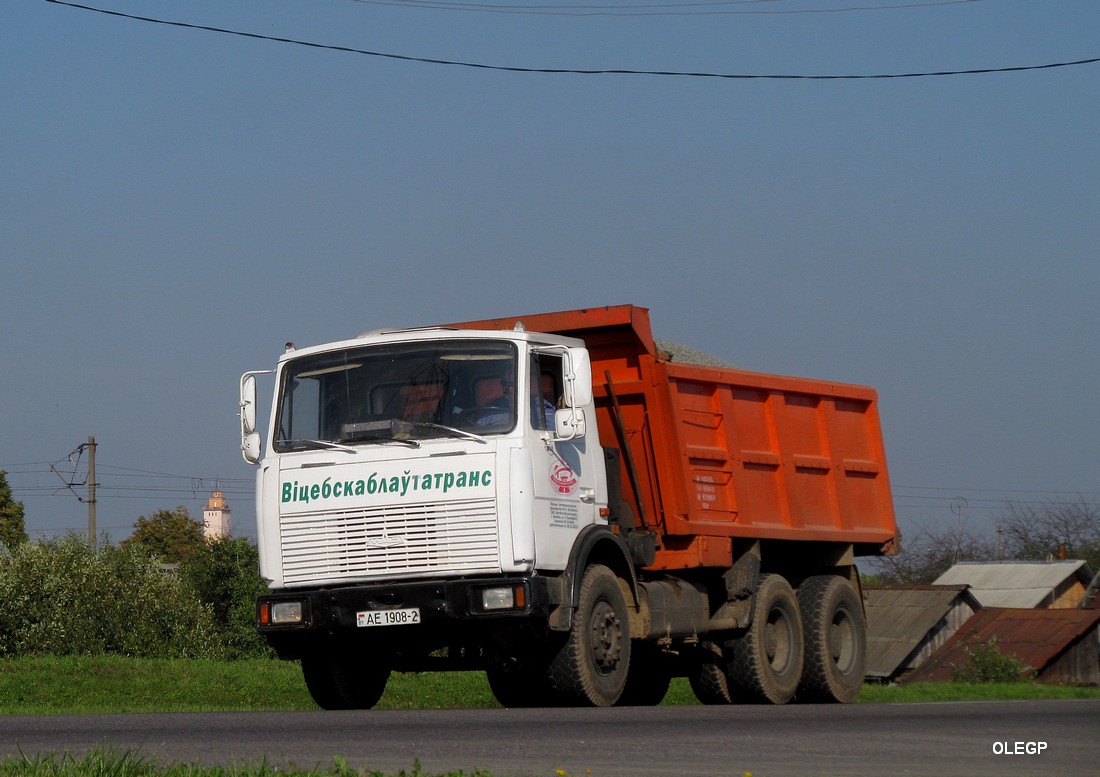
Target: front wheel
(650, 676)
(343, 682)
(519, 685)
(593, 665)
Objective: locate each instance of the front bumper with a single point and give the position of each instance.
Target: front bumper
(439, 604)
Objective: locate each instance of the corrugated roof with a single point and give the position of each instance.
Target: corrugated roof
(1033, 637)
(900, 617)
(1014, 583)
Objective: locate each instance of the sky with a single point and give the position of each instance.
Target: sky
(177, 203)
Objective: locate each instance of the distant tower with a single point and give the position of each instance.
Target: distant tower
(217, 518)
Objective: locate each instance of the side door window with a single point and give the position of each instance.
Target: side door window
(565, 470)
(546, 390)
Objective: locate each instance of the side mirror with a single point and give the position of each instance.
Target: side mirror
(248, 404)
(250, 447)
(251, 444)
(578, 378)
(569, 424)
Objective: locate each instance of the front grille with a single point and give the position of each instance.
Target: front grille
(391, 540)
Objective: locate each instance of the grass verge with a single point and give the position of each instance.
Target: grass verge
(80, 685)
(941, 692)
(99, 763)
(75, 685)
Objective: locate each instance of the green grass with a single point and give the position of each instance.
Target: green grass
(100, 763)
(940, 692)
(61, 685)
(81, 685)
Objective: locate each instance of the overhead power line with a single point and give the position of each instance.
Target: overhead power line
(717, 7)
(958, 490)
(568, 71)
(116, 482)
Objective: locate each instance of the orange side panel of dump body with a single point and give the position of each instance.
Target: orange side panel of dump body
(722, 454)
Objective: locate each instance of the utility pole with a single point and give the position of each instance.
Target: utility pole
(91, 493)
(70, 483)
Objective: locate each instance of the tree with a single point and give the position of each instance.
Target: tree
(929, 554)
(171, 535)
(13, 530)
(1026, 531)
(1031, 530)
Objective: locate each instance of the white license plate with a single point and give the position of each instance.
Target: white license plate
(405, 617)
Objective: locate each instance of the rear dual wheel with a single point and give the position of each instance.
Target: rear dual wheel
(707, 675)
(762, 663)
(765, 661)
(835, 633)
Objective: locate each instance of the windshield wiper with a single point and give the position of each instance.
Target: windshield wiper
(317, 445)
(387, 440)
(400, 431)
(385, 431)
(325, 445)
(454, 432)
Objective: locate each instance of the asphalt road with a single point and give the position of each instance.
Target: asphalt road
(939, 740)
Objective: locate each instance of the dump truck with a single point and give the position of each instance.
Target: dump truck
(559, 502)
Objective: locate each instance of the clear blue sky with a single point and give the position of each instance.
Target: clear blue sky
(176, 204)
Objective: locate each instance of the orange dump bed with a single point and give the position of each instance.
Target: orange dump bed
(716, 454)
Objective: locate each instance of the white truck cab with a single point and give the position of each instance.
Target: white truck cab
(420, 477)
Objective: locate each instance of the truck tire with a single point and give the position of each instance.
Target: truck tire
(593, 665)
(517, 686)
(343, 682)
(765, 662)
(649, 679)
(835, 632)
(707, 676)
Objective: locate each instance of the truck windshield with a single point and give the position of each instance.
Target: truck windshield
(404, 393)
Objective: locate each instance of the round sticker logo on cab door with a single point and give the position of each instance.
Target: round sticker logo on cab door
(563, 478)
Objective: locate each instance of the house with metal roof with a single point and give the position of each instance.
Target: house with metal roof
(1024, 584)
(906, 624)
(1059, 646)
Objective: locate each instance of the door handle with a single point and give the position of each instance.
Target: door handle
(588, 495)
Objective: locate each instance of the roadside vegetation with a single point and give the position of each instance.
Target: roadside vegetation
(163, 622)
(165, 592)
(128, 764)
(53, 685)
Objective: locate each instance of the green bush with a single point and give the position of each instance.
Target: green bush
(63, 598)
(225, 573)
(985, 663)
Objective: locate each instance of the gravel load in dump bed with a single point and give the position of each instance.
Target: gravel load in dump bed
(688, 355)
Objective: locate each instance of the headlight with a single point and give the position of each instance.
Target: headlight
(503, 598)
(497, 599)
(292, 613)
(283, 613)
